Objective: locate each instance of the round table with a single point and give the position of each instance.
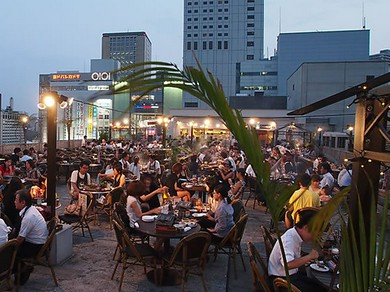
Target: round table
(170, 277)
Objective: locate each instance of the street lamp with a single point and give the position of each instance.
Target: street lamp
(49, 102)
(206, 125)
(191, 124)
(350, 143)
(24, 120)
(164, 121)
(319, 130)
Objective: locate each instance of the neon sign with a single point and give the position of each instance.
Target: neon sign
(102, 76)
(65, 76)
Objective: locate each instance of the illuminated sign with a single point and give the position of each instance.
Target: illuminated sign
(65, 76)
(146, 106)
(101, 76)
(98, 87)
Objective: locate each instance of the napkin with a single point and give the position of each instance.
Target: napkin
(187, 229)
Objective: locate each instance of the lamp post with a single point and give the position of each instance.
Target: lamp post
(49, 102)
(24, 120)
(319, 130)
(350, 142)
(118, 125)
(206, 125)
(126, 122)
(191, 124)
(164, 121)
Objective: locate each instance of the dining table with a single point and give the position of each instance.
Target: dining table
(170, 277)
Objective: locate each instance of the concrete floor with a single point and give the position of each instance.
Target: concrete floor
(90, 266)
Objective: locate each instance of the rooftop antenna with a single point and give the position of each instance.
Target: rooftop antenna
(363, 17)
(280, 19)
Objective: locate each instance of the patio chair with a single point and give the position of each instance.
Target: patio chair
(7, 256)
(281, 285)
(239, 210)
(254, 191)
(190, 256)
(43, 256)
(82, 220)
(231, 243)
(259, 269)
(108, 208)
(269, 241)
(133, 254)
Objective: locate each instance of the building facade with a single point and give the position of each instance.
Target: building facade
(11, 128)
(327, 46)
(221, 34)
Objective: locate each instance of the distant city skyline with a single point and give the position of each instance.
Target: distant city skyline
(46, 36)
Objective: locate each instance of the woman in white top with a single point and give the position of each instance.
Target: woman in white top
(133, 207)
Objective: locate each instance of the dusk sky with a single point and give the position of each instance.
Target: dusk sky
(48, 36)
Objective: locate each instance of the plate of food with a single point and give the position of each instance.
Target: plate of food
(179, 225)
(148, 218)
(191, 224)
(198, 215)
(319, 267)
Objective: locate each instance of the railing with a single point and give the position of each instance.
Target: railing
(9, 148)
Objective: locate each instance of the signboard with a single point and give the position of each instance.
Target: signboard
(98, 87)
(64, 77)
(101, 76)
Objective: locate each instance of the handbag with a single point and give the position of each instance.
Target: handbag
(72, 209)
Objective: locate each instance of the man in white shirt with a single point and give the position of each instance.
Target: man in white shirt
(26, 156)
(327, 182)
(292, 243)
(153, 166)
(3, 232)
(125, 162)
(80, 178)
(33, 232)
(344, 178)
(84, 142)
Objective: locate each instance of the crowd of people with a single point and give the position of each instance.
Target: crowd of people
(145, 184)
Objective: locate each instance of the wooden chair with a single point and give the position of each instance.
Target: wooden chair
(108, 208)
(269, 241)
(43, 256)
(259, 269)
(281, 285)
(133, 254)
(190, 256)
(231, 244)
(7, 255)
(82, 220)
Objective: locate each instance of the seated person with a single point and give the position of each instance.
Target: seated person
(32, 234)
(3, 232)
(80, 178)
(226, 173)
(315, 184)
(327, 182)
(33, 174)
(301, 198)
(223, 216)
(149, 202)
(292, 242)
(235, 188)
(133, 206)
(9, 195)
(172, 183)
(7, 169)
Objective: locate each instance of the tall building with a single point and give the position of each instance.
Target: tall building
(127, 47)
(11, 128)
(221, 35)
(324, 46)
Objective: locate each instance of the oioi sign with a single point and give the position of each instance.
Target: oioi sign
(101, 76)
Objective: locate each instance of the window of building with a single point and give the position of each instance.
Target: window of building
(204, 45)
(250, 44)
(250, 25)
(211, 10)
(204, 18)
(219, 2)
(204, 2)
(189, 3)
(211, 26)
(220, 18)
(211, 2)
(204, 10)
(210, 45)
(195, 46)
(250, 33)
(189, 11)
(226, 9)
(196, 27)
(196, 11)
(219, 45)
(250, 57)
(189, 19)
(189, 27)
(196, 19)
(189, 35)
(211, 18)
(211, 34)
(196, 3)
(226, 26)
(251, 1)
(219, 25)
(225, 45)
(190, 104)
(226, 2)
(226, 17)
(250, 17)
(195, 35)
(220, 10)
(189, 46)
(225, 34)
(251, 8)
(204, 35)
(204, 26)
(220, 34)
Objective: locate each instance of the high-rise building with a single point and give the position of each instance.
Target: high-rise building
(127, 47)
(11, 129)
(221, 34)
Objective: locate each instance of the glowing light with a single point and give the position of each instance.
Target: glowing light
(49, 100)
(117, 124)
(319, 129)
(350, 128)
(126, 121)
(252, 121)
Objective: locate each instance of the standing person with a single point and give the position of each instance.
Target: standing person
(80, 178)
(223, 216)
(292, 243)
(301, 198)
(32, 234)
(7, 169)
(135, 168)
(84, 142)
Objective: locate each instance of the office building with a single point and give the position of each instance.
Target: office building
(11, 128)
(326, 46)
(221, 34)
(127, 47)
